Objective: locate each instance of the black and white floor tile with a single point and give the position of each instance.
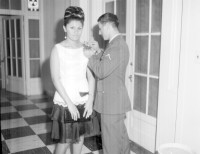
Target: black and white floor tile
(26, 127)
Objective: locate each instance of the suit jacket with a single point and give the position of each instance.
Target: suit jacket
(110, 68)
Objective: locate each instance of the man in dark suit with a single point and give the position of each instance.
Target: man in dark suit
(111, 100)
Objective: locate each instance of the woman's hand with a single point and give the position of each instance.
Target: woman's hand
(74, 111)
(88, 109)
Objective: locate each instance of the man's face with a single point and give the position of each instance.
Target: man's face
(103, 30)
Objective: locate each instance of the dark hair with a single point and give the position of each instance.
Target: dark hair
(109, 17)
(73, 13)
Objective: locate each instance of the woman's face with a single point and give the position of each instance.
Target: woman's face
(74, 30)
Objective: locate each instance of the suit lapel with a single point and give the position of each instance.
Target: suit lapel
(109, 45)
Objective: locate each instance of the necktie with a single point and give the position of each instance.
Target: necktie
(107, 44)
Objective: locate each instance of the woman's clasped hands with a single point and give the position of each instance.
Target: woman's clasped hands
(74, 111)
(88, 109)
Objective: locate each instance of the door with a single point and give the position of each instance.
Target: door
(2, 58)
(13, 38)
(144, 67)
(140, 23)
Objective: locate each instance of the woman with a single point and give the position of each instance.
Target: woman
(71, 78)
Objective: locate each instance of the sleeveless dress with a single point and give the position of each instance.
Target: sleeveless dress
(73, 66)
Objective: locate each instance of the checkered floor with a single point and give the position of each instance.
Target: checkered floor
(26, 126)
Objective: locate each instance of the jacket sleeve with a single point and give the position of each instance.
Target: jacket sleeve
(109, 62)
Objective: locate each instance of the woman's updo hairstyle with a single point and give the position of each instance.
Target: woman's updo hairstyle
(109, 17)
(73, 13)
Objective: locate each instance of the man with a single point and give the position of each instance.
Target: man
(112, 101)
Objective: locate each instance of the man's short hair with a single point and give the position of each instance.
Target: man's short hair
(109, 17)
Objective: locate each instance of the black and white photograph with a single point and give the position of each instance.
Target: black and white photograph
(100, 76)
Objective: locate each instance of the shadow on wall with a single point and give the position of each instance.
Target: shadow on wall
(59, 32)
(98, 38)
(47, 83)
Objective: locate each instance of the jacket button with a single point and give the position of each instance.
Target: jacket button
(102, 91)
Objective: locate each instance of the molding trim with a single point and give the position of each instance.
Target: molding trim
(169, 71)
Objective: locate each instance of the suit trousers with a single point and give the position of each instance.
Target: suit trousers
(115, 138)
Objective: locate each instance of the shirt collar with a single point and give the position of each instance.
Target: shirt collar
(114, 37)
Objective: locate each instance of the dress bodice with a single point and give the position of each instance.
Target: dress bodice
(72, 69)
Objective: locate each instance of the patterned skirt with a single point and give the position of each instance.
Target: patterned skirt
(71, 132)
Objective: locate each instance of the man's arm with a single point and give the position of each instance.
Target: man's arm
(108, 63)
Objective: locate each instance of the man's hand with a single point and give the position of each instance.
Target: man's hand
(94, 44)
(88, 52)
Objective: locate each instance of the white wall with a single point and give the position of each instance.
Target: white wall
(169, 71)
(188, 111)
(179, 95)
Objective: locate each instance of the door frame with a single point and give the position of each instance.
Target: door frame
(2, 55)
(34, 86)
(141, 127)
(15, 84)
(169, 71)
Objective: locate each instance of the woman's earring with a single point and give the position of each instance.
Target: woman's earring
(65, 36)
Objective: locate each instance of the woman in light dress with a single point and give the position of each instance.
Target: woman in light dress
(71, 78)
